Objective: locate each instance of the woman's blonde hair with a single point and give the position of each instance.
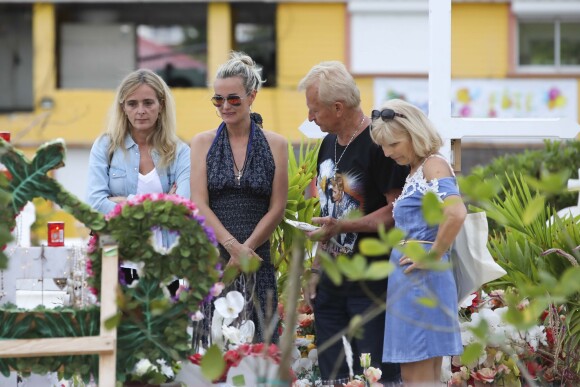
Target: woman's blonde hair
(243, 66)
(424, 137)
(334, 84)
(164, 138)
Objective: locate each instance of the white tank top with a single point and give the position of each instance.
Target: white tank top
(149, 183)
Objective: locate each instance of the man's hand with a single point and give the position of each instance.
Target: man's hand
(309, 289)
(330, 227)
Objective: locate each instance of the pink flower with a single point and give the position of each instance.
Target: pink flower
(217, 288)
(486, 375)
(503, 369)
(456, 379)
(373, 374)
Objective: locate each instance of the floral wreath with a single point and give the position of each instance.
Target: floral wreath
(150, 323)
(193, 256)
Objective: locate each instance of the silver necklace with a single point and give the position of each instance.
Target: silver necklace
(346, 147)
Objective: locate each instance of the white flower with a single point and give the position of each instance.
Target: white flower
(247, 329)
(232, 335)
(536, 335)
(165, 369)
(302, 383)
(313, 355)
(302, 341)
(296, 354)
(230, 306)
(373, 374)
(143, 366)
(197, 316)
(217, 337)
(468, 301)
(302, 364)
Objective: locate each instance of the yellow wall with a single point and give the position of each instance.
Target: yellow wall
(479, 40)
(79, 116)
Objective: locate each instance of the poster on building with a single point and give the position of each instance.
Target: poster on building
(491, 98)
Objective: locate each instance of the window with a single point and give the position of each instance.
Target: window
(255, 34)
(16, 57)
(549, 45)
(371, 21)
(100, 43)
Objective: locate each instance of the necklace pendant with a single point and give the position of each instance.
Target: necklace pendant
(239, 177)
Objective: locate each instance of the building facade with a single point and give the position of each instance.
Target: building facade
(61, 60)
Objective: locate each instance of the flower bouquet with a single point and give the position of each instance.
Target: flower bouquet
(232, 357)
(508, 350)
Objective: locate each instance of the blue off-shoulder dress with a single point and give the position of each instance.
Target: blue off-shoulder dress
(413, 331)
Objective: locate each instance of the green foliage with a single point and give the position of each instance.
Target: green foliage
(558, 158)
(301, 173)
(49, 323)
(150, 326)
(6, 220)
(213, 363)
(30, 180)
(537, 249)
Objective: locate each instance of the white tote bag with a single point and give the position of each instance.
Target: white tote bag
(473, 265)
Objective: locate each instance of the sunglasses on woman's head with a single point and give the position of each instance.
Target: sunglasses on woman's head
(386, 114)
(233, 99)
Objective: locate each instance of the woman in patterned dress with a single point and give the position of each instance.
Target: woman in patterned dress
(418, 336)
(239, 181)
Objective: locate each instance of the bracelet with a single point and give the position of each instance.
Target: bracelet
(228, 242)
(315, 271)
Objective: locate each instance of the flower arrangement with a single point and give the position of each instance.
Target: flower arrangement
(243, 362)
(370, 376)
(149, 373)
(509, 349)
(152, 325)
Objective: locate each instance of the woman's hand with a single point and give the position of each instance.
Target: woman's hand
(404, 260)
(237, 252)
(173, 189)
(118, 199)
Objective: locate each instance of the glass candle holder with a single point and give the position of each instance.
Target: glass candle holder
(55, 234)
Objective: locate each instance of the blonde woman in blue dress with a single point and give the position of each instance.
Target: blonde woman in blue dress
(417, 336)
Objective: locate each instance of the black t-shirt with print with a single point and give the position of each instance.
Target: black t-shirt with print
(359, 182)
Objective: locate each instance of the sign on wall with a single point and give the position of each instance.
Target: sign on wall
(483, 98)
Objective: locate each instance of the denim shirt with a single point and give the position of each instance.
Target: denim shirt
(120, 177)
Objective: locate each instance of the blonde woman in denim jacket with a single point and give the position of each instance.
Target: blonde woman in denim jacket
(140, 139)
(140, 151)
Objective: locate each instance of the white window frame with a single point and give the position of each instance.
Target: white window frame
(452, 128)
(557, 67)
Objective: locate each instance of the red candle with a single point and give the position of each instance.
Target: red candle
(55, 233)
(5, 136)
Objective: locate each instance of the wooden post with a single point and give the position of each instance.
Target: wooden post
(105, 345)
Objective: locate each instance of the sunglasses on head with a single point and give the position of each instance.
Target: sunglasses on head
(233, 99)
(386, 114)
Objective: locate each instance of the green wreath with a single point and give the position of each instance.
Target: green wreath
(150, 324)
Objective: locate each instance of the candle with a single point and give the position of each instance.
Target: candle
(55, 233)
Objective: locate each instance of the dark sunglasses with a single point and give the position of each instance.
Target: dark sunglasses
(386, 114)
(234, 100)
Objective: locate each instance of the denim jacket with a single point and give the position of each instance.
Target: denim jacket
(120, 176)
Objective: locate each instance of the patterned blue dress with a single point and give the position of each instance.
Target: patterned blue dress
(240, 206)
(415, 332)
